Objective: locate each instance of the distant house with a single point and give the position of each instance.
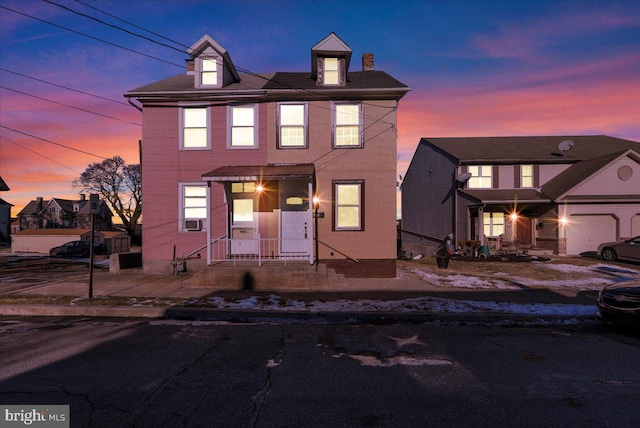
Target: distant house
(564, 194)
(64, 213)
(275, 166)
(5, 216)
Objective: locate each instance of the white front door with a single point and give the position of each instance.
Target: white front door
(294, 232)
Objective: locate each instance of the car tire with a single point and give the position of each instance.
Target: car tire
(609, 254)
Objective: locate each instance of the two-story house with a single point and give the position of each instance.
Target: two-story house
(562, 193)
(276, 166)
(64, 214)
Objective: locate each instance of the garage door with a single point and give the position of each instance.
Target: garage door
(635, 225)
(586, 232)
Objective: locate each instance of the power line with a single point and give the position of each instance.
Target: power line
(69, 106)
(306, 91)
(64, 87)
(39, 154)
(90, 37)
(53, 142)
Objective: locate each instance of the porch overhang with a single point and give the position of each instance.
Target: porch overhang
(260, 172)
(507, 196)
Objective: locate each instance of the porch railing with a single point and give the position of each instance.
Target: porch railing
(259, 250)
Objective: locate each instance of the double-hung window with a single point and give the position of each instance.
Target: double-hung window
(347, 125)
(209, 71)
(348, 205)
(243, 127)
(481, 176)
(193, 206)
(331, 72)
(292, 124)
(194, 123)
(526, 176)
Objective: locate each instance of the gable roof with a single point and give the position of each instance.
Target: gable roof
(3, 185)
(3, 202)
(529, 149)
(577, 173)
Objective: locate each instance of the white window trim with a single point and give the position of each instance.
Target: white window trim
(212, 55)
(305, 126)
(230, 127)
(324, 71)
(335, 125)
(181, 126)
(181, 207)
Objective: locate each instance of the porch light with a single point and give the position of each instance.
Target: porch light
(259, 188)
(316, 200)
(564, 221)
(513, 216)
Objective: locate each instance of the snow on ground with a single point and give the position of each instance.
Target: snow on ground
(435, 305)
(592, 277)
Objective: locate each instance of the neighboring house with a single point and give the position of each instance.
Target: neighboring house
(64, 213)
(5, 216)
(257, 166)
(566, 194)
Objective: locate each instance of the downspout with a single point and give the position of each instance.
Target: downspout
(135, 106)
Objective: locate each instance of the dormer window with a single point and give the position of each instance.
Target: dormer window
(331, 71)
(209, 71)
(330, 61)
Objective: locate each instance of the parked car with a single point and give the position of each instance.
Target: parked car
(625, 250)
(620, 302)
(77, 249)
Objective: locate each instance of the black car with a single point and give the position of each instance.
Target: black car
(77, 249)
(620, 303)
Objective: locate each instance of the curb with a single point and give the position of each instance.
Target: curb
(216, 314)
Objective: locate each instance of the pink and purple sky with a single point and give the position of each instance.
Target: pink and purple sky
(476, 68)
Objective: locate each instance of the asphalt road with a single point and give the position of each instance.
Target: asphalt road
(151, 373)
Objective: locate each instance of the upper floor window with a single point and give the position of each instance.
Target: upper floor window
(481, 176)
(348, 205)
(292, 125)
(347, 125)
(209, 71)
(194, 124)
(331, 72)
(526, 176)
(243, 132)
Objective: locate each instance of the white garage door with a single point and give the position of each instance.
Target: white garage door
(586, 232)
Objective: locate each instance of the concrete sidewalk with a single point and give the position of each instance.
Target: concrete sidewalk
(171, 296)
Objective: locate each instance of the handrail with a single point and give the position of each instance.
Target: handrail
(213, 241)
(334, 249)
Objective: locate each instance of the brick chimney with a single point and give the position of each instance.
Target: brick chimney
(367, 62)
(39, 203)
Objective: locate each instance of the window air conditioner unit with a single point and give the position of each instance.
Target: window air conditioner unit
(192, 225)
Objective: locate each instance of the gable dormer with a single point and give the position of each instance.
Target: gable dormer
(330, 61)
(210, 64)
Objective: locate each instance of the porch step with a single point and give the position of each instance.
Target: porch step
(336, 280)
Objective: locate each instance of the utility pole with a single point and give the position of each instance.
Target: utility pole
(93, 201)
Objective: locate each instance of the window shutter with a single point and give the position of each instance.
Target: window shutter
(516, 176)
(495, 182)
(320, 76)
(536, 176)
(342, 72)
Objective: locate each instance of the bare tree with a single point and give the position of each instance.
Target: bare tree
(117, 183)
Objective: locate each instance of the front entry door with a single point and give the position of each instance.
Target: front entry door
(294, 231)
